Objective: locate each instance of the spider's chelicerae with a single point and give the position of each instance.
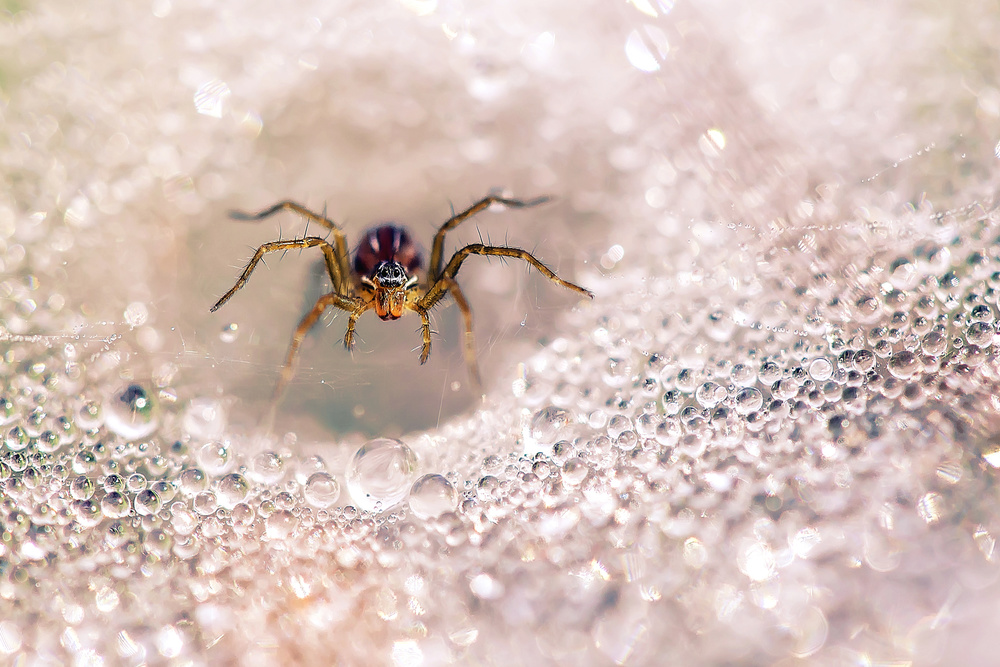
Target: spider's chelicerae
(386, 275)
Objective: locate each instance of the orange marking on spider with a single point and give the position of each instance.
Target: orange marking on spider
(384, 276)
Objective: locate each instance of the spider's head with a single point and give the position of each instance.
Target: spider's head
(390, 283)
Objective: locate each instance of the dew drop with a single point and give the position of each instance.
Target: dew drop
(321, 490)
(381, 473)
(131, 413)
(749, 400)
(904, 364)
(431, 496)
(147, 503)
(115, 505)
(549, 424)
(233, 489)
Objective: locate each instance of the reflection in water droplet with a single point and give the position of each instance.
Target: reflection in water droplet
(646, 48)
(381, 473)
(209, 98)
(233, 489)
(321, 490)
(431, 496)
(131, 413)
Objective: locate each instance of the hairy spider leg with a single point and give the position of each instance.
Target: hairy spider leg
(442, 285)
(332, 265)
(434, 268)
(354, 306)
(425, 330)
(342, 256)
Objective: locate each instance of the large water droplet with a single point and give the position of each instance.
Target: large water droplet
(381, 473)
(431, 496)
(321, 490)
(131, 412)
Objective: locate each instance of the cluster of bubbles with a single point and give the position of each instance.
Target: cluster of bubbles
(642, 471)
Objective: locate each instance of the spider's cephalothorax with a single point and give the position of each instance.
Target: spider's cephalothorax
(386, 276)
(384, 264)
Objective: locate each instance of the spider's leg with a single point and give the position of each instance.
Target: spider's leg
(438, 289)
(434, 268)
(341, 257)
(308, 242)
(357, 311)
(307, 323)
(470, 339)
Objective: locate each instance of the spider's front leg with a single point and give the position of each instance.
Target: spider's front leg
(333, 266)
(352, 321)
(443, 284)
(337, 257)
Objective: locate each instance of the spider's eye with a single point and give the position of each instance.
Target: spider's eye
(389, 274)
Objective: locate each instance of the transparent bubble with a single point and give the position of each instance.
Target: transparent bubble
(132, 412)
(646, 48)
(280, 524)
(549, 424)
(266, 468)
(233, 489)
(229, 333)
(381, 473)
(749, 400)
(864, 360)
(192, 481)
(82, 488)
(710, 394)
(16, 439)
(136, 483)
(979, 333)
(147, 503)
(214, 457)
(488, 488)
(431, 496)
(205, 503)
(744, 375)
(204, 418)
(769, 373)
(321, 490)
(574, 471)
(115, 505)
(904, 364)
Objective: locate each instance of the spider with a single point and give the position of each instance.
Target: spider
(385, 276)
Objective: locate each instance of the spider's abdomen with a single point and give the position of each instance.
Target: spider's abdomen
(387, 243)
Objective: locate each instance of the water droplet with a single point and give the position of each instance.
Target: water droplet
(147, 503)
(280, 524)
(904, 364)
(381, 473)
(749, 400)
(266, 468)
(431, 496)
(710, 394)
(233, 489)
(646, 48)
(204, 418)
(549, 424)
(321, 490)
(230, 332)
(131, 413)
(115, 505)
(82, 488)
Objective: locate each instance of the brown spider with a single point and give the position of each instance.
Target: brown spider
(384, 276)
